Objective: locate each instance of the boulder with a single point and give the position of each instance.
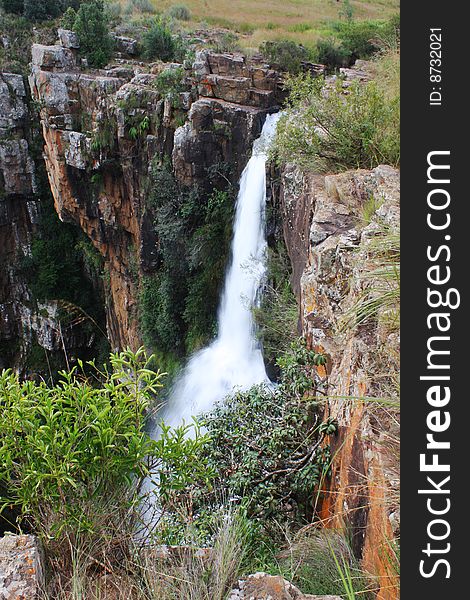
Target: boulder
(234, 78)
(262, 586)
(68, 39)
(126, 45)
(21, 568)
(52, 58)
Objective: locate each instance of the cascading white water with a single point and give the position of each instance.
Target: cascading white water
(233, 359)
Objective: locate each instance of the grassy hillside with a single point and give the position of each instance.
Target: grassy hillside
(260, 20)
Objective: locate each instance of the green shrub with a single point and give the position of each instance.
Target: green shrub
(347, 11)
(72, 456)
(285, 54)
(178, 304)
(266, 444)
(351, 40)
(68, 18)
(180, 12)
(359, 39)
(278, 314)
(159, 42)
(331, 53)
(38, 10)
(170, 83)
(35, 10)
(14, 7)
(17, 56)
(91, 27)
(141, 6)
(55, 266)
(300, 27)
(338, 131)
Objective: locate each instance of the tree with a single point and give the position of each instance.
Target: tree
(12, 6)
(40, 10)
(92, 29)
(159, 42)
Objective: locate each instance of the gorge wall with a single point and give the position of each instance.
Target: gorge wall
(103, 131)
(29, 326)
(329, 242)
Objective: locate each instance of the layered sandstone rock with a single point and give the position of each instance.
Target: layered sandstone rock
(328, 239)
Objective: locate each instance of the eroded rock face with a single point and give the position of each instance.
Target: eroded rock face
(327, 240)
(216, 132)
(22, 320)
(102, 130)
(21, 568)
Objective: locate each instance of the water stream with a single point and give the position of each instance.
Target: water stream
(234, 359)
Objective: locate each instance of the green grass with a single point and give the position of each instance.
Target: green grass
(300, 20)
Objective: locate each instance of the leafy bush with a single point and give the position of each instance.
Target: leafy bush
(338, 131)
(91, 27)
(331, 53)
(73, 456)
(16, 57)
(359, 39)
(44, 9)
(170, 83)
(267, 444)
(14, 7)
(68, 18)
(159, 42)
(351, 40)
(38, 10)
(56, 263)
(285, 54)
(180, 12)
(141, 6)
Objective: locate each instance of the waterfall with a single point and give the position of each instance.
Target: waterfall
(234, 359)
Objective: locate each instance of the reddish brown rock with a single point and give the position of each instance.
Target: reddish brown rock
(327, 239)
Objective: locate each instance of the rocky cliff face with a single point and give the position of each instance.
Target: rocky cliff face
(26, 324)
(103, 130)
(330, 223)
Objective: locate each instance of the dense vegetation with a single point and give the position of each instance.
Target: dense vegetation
(337, 131)
(342, 43)
(178, 304)
(38, 10)
(92, 28)
(73, 455)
